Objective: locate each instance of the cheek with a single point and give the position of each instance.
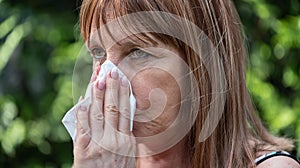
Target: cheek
(158, 98)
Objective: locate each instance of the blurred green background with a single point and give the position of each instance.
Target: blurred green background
(40, 42)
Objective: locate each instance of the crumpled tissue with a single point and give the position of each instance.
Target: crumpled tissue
(69, 120)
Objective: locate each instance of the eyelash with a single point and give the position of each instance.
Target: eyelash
(132, 55)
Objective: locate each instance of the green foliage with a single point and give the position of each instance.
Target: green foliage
(39, 45)
(38, 52)
(273, 77)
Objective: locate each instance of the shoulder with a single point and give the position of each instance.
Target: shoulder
(279, 162)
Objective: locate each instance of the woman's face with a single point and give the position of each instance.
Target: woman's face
(154, 72)
(157, 72)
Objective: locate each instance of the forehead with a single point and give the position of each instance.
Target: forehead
(115, 31)
(127, 42)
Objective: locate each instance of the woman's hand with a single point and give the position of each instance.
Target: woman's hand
(103, 137)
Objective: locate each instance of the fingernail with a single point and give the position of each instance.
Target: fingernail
(101, 85)
(83, 108)
(114, 73)
(124, 81)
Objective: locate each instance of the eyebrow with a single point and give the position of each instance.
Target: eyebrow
(128, 42)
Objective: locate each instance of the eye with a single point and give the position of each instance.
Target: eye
(98, 53)
(136, 54)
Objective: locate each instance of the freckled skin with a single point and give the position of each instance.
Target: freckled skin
(142, 84)
(146, 80)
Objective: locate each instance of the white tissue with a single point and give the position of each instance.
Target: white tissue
(69, 119)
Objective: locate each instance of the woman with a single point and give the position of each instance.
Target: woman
(185, 61)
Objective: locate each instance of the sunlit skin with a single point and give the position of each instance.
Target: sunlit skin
(143, 83)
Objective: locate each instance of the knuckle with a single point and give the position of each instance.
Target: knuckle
(112, 109)
(99, 95)
(99, 98)
(84, 133)
(97, 116)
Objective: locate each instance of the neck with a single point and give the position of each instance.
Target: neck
(173, 157)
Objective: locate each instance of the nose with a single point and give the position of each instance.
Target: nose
(115, 55)
(113, 60)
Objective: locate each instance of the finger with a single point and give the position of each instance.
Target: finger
(96, 70)
(96, 111)
(96, 65)
(83, 129)
(124, 116)
(111, 111)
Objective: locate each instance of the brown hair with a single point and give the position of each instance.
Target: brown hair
(240, 135)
